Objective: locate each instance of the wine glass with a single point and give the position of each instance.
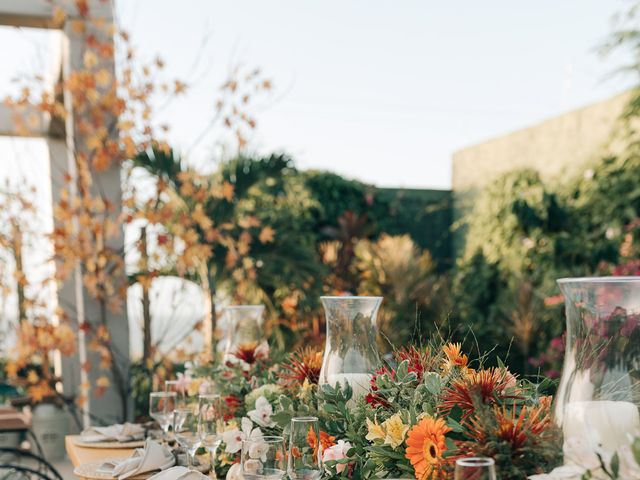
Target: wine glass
(178, 387)
(186, 431)
(210, 422)
(263, 458)
(161, 407)
(305, 457)
(475, 468)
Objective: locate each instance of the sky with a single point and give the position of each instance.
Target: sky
(379, 91)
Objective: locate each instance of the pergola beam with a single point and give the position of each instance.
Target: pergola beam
(39, 13)
(37, 122)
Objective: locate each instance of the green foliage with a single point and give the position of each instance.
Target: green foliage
(523, 235)
(394, 267)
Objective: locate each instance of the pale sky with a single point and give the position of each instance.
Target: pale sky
(377, 90)
(381, 91)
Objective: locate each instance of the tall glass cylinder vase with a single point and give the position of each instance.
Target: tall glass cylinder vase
(599, 393)
(244, 332)
(351, 352)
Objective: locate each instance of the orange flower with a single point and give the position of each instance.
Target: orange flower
(326, 440)
(425, 446)
(454, 357)
(246, 352)
(477, 388)
(303, 365)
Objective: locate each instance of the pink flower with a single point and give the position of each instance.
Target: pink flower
(262, 351)
(337, 452)
(183, 382)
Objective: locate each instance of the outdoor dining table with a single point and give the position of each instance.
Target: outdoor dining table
(81, 455)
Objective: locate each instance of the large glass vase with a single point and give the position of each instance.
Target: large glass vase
(599, 393)
(244, 330)
(351, 352)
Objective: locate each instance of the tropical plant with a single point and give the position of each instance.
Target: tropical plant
(394, 267)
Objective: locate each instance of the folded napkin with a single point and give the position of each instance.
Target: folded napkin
(152, 457)
(115, 433)
(179, 473)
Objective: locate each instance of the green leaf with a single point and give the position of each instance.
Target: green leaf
(454, 425)
(615, 465)
(433, 383)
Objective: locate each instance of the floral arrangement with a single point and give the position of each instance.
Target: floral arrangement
(425, 408)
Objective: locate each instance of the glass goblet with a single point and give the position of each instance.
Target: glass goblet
(161, 407)
(186, 431)
(305, 456)
(475, 468)
(210, 423)
(263, 458)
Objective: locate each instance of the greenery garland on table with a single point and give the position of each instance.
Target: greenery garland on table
(425, 408)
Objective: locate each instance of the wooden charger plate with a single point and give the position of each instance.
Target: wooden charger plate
(112, 445)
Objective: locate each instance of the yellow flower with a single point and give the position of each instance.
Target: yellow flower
(396, 430)
(194, 387)
(376, 432)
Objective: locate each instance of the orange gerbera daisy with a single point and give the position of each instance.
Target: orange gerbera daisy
(425, 446)
(454, 356)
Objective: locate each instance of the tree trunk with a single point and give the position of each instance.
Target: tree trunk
(207, 283)
(146, 302)
(20, 275)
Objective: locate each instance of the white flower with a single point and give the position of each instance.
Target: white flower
(259, 449)
(233, 438)
(262, 413)
(235, 472)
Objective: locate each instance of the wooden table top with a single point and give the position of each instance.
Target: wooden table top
(80, 455)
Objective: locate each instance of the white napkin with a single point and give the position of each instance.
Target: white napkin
(152, 457)
(179, 473)
(114, 433)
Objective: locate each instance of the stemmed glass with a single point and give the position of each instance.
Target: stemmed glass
(176, 386)
(263, 458)
(210, 423)
(305, 456)
(475, 468)
(186, 430)
(161, 407)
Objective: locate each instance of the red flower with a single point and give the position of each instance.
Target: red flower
(232, 403)
(483, 387)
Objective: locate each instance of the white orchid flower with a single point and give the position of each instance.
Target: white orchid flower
(233, 438)
(262, 413)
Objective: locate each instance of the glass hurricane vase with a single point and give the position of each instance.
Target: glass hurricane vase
(244, 330)
(351, 353)
(599, 393)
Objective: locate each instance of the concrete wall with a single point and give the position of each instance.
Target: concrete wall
(559, 148)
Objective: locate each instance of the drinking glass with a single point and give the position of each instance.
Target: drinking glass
(475, 468)
(210, 422)
(186, 430)
(305, 457)
(263, 459)
(161, 407)
(181, 393)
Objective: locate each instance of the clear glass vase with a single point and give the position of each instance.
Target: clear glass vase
(599, 393)
(244, 330)
(351, 352)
